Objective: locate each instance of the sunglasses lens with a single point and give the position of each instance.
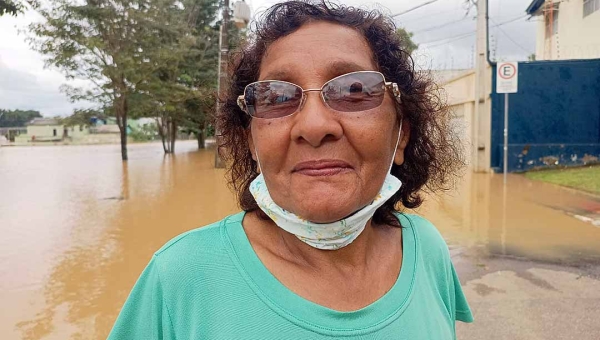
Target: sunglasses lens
(355, 92)
(272, 99)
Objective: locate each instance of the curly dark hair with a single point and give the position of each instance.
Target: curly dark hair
(433, 154)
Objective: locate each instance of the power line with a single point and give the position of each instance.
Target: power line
(412, 9)
(435, 14)
(441, 26)
(471, 32)
(511, 39)
(460, 37)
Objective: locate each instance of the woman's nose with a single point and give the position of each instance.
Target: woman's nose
(315, 123)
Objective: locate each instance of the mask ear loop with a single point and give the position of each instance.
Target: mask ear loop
(257, 160)
(395, 149)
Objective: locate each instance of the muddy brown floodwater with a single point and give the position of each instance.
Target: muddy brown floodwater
(78, 226)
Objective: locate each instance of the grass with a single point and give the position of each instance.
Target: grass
(584, 178)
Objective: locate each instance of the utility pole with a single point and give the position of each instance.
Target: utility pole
(480, 156)
(222, 80)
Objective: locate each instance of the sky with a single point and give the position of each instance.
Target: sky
(444, 30)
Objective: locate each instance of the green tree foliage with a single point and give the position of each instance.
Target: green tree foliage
(406, 38)
(181, 93)
(82, 117)
(17, 118)
(145, 58)
(10, 7)
(115, 44)
(15, 7)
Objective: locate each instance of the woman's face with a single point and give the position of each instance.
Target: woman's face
(321, 164)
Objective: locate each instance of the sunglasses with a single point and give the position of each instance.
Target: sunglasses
(350, 92)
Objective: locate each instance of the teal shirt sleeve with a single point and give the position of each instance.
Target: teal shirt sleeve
(145, 314)
(462, 311)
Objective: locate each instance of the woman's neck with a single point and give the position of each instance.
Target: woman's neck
(358, 255)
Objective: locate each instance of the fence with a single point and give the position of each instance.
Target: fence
(554, 119)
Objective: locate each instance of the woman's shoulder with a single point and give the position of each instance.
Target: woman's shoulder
(203, 243)
(429, 239)
(423, 228)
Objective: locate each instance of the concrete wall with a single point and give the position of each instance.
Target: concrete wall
(554, 119)
(471, 118)
(578, 37)
(78, 131)
(45, 132)
(460, 92)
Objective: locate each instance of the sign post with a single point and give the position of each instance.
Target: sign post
(507, 80)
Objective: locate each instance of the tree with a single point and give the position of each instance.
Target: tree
(203, 72)
(197, 114)
(16, 7)
(82, 117)
(406, 39)
(9, 7)
(181, 93)
(17, 118)
(110, 43)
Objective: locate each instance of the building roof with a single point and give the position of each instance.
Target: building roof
(43, 121)
(534, 6)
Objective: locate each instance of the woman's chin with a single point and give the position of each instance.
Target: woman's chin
(324, 202)
(324, 213)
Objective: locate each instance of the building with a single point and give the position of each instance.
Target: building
(44, 130)
(567, 29)
(51, 130)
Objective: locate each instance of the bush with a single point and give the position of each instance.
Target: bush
(144, 133)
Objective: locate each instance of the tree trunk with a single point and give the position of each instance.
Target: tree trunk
(163, 133)
(200, 136)
(173, 134)
(121, 115)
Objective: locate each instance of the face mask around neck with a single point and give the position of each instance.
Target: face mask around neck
(326, 236)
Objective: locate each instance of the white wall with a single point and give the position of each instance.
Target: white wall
(45, 131)
(460, 95)
(577, 38)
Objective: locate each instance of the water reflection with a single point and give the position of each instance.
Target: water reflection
(110, 225)
(78, 226)
(525, 218)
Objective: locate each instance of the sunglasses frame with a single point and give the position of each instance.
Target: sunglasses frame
(241, 101)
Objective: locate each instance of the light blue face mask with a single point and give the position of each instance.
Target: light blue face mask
(327, 236)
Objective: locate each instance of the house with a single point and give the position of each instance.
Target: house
(567, 29)
(45, 130)
(51, 130)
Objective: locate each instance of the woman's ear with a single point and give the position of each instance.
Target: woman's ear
(404, 138)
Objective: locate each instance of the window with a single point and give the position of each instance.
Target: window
(54, 132)
(80, 128)
(590, 6)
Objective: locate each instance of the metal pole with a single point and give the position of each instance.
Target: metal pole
(505, 136)
(224, 52)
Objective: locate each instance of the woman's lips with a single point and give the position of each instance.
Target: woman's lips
(325, 167)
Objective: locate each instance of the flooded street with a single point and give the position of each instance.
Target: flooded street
(78, 226)
(524, 219)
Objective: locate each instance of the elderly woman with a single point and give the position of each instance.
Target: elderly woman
(329, 130)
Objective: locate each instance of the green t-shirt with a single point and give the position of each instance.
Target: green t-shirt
(209, 283)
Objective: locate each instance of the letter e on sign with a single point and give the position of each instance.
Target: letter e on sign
(507, 77)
